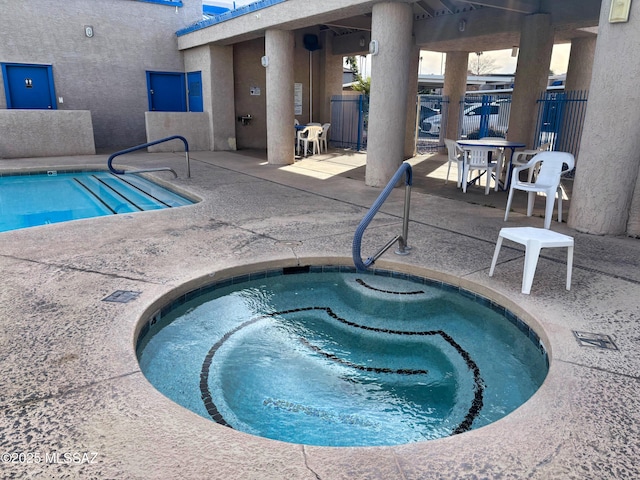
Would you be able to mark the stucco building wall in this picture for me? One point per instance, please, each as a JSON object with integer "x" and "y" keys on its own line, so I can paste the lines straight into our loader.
{"x": 104, "y": 74}
{"x": 249, "y": 76}
{"x": 45, "y": 133}
{"x": 193, "y": 126}
{"x": 606, "y": 198}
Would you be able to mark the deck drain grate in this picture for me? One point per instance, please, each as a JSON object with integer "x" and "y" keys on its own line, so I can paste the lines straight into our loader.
{"x": 122, "y": 296}
{"x": 598, "y": 340}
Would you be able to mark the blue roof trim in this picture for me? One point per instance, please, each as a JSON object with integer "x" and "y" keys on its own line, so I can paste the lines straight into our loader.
{"x": 171, "y": 3}
{"x": 213, "y": 10}
{"x": 223, "y": 17}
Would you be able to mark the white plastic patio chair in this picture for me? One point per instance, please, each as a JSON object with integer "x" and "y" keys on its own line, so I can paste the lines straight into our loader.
{"x": 324, "y": 137}
{"x": 547, "y": 182}
{"x": 455, "y": 155}
{"x": 497, "y": 155}
{"x": 523, "y": 156}
{"x": 534, "y": 239}
{"x": 309, "y": 135}
{"x": 477, "y": 158}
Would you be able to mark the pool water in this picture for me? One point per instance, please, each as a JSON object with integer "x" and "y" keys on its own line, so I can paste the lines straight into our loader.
{"x": 342, "y": 359}
{"x": 40, "y": 199}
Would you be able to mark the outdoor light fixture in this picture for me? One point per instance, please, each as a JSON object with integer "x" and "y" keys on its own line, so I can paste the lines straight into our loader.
{"x": 88, "y": 31}
{"x": 264, "y": 61}
{"x": 362, "y": 41}
{"x": 619, "y": 11}
{"x": 373, "y": 47}
{"x": 462, "y": 25}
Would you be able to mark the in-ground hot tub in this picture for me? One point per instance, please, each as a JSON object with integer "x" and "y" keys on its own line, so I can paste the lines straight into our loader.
{"x": 329, "y": 356}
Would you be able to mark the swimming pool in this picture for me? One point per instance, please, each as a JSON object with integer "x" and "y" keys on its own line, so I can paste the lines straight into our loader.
{"x": 28, "y": 200}
{"x": 333, "y": 357}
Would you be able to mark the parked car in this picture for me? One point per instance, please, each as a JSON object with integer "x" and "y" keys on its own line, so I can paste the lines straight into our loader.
{"x": 471, "y": 118}
{"x": 427, "y": 112}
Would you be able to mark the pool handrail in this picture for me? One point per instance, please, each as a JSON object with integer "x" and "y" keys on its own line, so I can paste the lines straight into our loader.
{"x": 404, "y": 169}
{"x": 149, "y": 144}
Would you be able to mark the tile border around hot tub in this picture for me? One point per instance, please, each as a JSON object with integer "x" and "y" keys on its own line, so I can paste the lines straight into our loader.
{"x": 514, "y": 319}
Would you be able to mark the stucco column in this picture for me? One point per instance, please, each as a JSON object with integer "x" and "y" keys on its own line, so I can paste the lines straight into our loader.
{"x": 579, "y": 73}
{"x": 532, "y": 75}
{"x": 278, "y": 47}
{"x": 221, "y": 106}
{"x": 331, "y": 67}
{"x": 580, "y": 63}
{"x": 606, "y": 191}
{"x": 412, "y": 100}
{"x": 216, "y": 66}
{"x": 391, "y": 28}
{"x": 455, "y": 86}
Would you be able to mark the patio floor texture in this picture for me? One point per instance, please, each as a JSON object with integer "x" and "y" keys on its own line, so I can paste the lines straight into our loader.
{"x": 71, "y": 383}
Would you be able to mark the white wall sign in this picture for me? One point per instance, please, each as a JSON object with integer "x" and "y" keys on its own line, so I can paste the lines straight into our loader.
{"x": 619, "y": 11}
{"x": 297, "y": 98}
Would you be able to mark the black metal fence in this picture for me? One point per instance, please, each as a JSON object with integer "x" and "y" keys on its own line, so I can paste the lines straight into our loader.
{"x": 560, "y": 119}
{"x": 432, "y": 116}
{"x": 349, "y": 118}
{"x": 484, "y": 115}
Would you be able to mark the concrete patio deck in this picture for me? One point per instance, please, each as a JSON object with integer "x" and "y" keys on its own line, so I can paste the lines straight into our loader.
{"x": 71, "y": 383}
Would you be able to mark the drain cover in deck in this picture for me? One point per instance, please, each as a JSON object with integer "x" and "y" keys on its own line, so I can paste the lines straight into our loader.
{"x": 599, "y": 340}
{"x": 122, "y": 296}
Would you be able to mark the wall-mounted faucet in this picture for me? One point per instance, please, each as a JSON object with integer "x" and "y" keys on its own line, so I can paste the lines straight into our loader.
{"x": 245, "y": 119}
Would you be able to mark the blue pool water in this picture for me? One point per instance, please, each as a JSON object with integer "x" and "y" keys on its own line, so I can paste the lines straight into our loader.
{"x": 40, "y": 199}
{"x": 342, "y": 359}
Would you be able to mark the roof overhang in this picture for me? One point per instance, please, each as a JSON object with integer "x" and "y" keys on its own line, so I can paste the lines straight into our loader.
{"x": 439, "y": 25}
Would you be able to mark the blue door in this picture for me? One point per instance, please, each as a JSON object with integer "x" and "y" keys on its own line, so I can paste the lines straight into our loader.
{"x": 29, "y": 86}
{"x": 194, "y": 90}
{"x": 166, "y": 92}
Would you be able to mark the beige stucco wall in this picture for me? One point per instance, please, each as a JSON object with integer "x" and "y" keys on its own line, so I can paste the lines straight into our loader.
{"x": 215, "y": 62}
{"x": 279, "y": 49}
{"x": 250, "y": 74}
{"x": 306, "y": 67}
{"x": 319, "y": 72}
{"x": 193, "y": 126}
{"x": 412, "y": 104}
{"x": 104, "y": 74}
{"x": 455, "y": 82}
{"x": 580, "y": 66}
{"x": 532, "y": 75}
{"x": 331, "y": 67}
{"x": 45, "y": 133}
{"x": 606, "y": 197}
{"x": 391, "y": 28}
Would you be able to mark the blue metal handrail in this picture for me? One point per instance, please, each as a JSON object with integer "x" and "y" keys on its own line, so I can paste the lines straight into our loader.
{"x": 145, "y": 145}
{"x": 405, "y": 168}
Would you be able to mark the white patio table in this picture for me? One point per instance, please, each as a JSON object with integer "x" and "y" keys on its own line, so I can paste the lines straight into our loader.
{"x": 495, "y": 143}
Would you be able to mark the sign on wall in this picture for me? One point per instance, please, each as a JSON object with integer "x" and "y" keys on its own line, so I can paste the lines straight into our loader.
{"x": 297, "y": 98}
